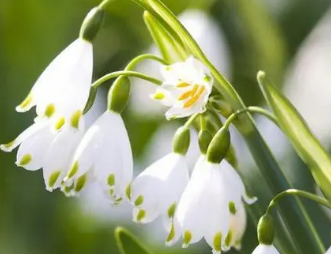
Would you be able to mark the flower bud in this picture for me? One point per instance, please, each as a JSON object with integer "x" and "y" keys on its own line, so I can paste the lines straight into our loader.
{"x": 119, "y": 94}
{"x": 266, "y": 230}
{"x": 205, "y": 137}
{"x": 91, "y": 24}
{"x": 181, "y": 141}
{"x": 219, "y": 146}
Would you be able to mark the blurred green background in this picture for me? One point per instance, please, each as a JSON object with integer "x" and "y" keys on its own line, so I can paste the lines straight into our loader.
{"x": 258, "y": 34}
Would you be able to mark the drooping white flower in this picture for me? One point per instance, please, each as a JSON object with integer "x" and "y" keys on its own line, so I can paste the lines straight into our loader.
{"x": 265, "y": 249}
{"x": 211, "y": 207}
{"x": 185, "y": 89}
{"x": 157, "y": 190}
{"x": 104, "y": 155}
{"x": 63, "y": 88}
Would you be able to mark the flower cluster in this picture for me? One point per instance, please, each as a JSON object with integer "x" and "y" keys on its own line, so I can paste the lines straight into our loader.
{"x": 208, "y": 204}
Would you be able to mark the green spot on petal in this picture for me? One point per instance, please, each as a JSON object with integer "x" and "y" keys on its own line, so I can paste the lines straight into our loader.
{"x": 10, "y": 144}
{"x": 27, "y": 101}
{"x": 139, "y": 200}
{"x": 232, "y": 208}
{"x": 111, "y": 180}
{"x": 228, "y": 238}
{"x": 217, "y": 242}
{"x": 73, "y": 170}
{"x": 128, "y": 191}
{"x": 187, "y": 237}
{"x": 172, "y": 210}
{"x": 25, "y": 160}
{"x": 207, "y": 78}
{"x": 50, "y": 110}
{"x": 53, "y": 178}
{"x": 75, "y": 119}
{"x": 81, "y": 181}
{"x": 158, "y": 96}
{"x": 141, "y": 215}
{"x": 60, "y": 123}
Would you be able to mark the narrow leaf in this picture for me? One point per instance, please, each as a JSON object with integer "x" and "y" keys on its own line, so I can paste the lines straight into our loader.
{"x": 128, "y": 243}
{"x": 303, "y": 140}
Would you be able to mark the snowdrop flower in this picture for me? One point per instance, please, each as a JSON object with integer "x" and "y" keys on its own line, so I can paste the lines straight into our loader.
{"x": 63, "y": 88}
{"x": 104, "y": 154}
{"x": 265, "y": 249}
{"x": 185, "y": 89}
{"x": 156, "y": 191}
{"x": 211, "y": 205}
{"x": 221, "y": 223}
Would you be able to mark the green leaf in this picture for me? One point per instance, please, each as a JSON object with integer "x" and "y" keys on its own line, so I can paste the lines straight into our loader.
{"x": 128, "y": 243}
{"x": 303, "y": 140}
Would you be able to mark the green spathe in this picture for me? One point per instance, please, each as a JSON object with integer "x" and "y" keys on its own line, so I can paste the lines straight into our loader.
{"x": 91, "y": 24}
{"x": 266, "y": 230}
{"x": 219, "y": 146}
{"x": 181, "y": 141}
{"x": 119, "y": 94}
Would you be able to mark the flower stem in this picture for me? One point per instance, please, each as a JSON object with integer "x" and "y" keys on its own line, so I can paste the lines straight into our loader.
{"x": 128, "y": 74}
{"x": 104, "y": 3}
{"x": 191, "y": 120}
{"x": 294, "y": 192}
{"x": 251, "y": 109}
{"x": 140, "y": 58}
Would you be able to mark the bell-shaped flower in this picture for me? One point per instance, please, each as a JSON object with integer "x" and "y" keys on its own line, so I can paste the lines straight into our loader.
{"x": 104, "y": 155}
{"x": 185, "y": 89}
{"x": 157, "y": 190}
{"x": 63, "y": 88}
{"x": 265, "y": 249}
{"x": 211, "y": 207}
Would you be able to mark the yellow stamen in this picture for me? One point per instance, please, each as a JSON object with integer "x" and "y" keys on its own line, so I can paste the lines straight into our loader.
{"x": 194, "y": 90}
{"x": 185, "y": 95}
{"x": 197, "y": 95}
{"x": 180, "y": 85}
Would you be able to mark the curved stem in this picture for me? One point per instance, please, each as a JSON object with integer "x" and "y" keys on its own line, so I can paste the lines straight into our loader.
{"x": 294, "y": 192}
{"x": 125, "y": 73}
{"x": 191, "y": 120}
{"x": 252, "y": 109}
{"x": 140, "y": 58}
{"x": 104, "y": 3}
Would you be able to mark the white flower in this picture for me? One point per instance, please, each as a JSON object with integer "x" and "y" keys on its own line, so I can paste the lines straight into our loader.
{"x": 63, "y": 88}
{"x": 328, "y": 251}
{"x": 43, "y": 146}
{"x": 157, "y": 190}
{"x": 185, "y": 89}
{"x": 211, "y": 207}
{"x": 104, "y": 155}
{"x": 265, "y": 249}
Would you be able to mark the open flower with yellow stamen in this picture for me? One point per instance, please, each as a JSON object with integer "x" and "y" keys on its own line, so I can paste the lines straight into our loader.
{"x": 185, "y": 89}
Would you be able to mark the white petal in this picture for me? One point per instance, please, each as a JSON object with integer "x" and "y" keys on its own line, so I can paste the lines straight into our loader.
{"x": 328, "y": 251}
{"x": 66, "y": 82}
{"x": 30, "y": 131}
{"x": 161, "y": 185}
{"x": 59, "y": 156}
{"x": 237, "y": 227}
{"x": 265, "y": 249}
{"x": 32, "y": 151}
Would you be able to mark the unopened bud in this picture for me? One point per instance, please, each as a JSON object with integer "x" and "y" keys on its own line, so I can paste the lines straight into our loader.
{"x": 219, "y": 146}
{"x": 181, "y": 141}
{"x": 119, "y": 94}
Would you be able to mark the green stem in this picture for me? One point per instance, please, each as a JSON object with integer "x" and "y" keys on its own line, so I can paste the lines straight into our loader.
{"x": 140, "y": 58}
{"x": 128, "y": 74}
{"x": 294, "y": 192}
{"x": 251, "y": 109}
{"x": 104, "y": 3}
{"x": 191, "y": 120}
